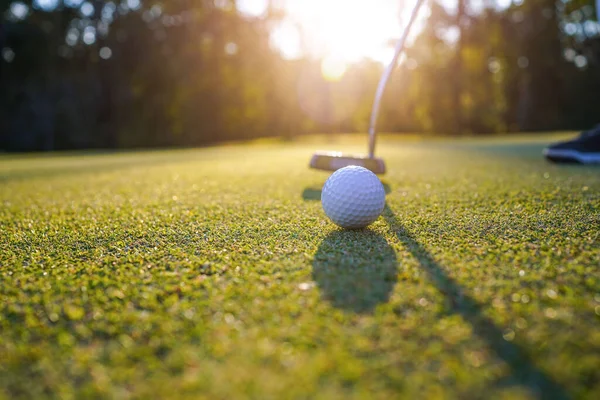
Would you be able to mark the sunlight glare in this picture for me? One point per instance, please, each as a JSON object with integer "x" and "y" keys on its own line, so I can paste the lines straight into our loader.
{"x": 286, "y": 37}
{"x": 352, "y": 30}
{"x": 252, "y": 8}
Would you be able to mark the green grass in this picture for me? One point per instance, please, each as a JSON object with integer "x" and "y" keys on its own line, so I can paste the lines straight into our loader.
{"x": 213, "y": 273}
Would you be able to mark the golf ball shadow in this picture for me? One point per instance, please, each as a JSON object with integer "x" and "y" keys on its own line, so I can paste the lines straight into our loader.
{"x": 355, "y": 270}
{"x": 314, "y": 194}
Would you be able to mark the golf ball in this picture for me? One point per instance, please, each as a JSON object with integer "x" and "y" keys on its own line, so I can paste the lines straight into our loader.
{"x": 353, "y": 197}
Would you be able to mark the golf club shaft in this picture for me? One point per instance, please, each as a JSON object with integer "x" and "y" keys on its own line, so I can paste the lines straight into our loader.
{"x": 386, "y": 76}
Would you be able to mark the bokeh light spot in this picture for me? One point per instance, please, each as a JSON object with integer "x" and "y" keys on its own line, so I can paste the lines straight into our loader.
{"x": 8, "y": 54}
{"x": 105, "y": 53}
{"x": 46, "y": 5}
{"x": 333, "y": 68}
{"x": 87, "y": 9}
{"x": 89, "y": 35}
{"x": 19, "y": 10}
{"x": 231, "y": 48}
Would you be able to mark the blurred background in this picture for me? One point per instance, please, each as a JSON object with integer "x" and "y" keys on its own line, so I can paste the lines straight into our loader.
{"x": 80, "y": 74}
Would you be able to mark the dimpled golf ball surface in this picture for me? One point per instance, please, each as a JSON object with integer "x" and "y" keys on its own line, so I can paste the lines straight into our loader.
{"x": 353, "y": 197}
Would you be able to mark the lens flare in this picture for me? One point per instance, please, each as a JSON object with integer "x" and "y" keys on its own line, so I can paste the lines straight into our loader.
{"x": 333, "y": 68}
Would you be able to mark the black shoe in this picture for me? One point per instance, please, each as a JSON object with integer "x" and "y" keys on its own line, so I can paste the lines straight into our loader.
{"x": 583, "y": 150}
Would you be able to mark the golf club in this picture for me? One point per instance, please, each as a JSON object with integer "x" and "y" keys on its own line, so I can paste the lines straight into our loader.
{"x": 332, "y": 161}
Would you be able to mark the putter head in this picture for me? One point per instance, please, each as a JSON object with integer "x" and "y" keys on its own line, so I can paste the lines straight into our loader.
{"x": 332, "y": 161}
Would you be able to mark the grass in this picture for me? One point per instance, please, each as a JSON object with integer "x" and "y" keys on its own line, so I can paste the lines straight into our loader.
{"x": 213, "y": 273}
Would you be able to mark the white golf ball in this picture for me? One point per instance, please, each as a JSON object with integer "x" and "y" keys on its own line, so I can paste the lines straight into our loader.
{"x": 353, "y": 197}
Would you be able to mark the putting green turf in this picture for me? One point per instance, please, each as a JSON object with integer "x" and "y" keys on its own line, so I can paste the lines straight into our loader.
{"x": 213, "y": 273}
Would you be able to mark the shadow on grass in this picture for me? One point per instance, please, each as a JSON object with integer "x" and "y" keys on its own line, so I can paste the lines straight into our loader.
{"x": 312, "y": 193}
{"x": 523, "y": 370}
{"x": 355, "y": 270}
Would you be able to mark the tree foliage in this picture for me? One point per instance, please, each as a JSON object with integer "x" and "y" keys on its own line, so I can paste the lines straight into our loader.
{"x": 81, "y": 74}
